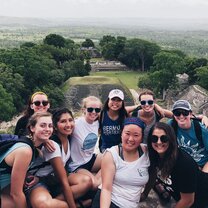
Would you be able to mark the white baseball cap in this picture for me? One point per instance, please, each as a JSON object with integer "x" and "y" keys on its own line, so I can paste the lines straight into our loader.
{"x": 116, "y": 93}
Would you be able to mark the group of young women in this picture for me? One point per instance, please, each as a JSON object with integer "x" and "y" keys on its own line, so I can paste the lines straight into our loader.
{"x": 135, "y": 148}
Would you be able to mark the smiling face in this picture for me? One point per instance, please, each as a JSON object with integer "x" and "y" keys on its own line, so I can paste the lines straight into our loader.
{"x": 65, "y": 125}
{"x": 40, "y": 103}
{"x": 42, "y": 130}
{"x": 91, "y": 110}
{"x": 183, "y": 118}
{"x": 131, "y": 137}
{"x": 159, "y": 146}
{"x": 147, "y": 99}
{"x": 115, "y": 104}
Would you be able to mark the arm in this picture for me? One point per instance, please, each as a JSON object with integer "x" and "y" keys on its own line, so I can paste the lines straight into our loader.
{"x": 203, "y": 119}
{"x": 163, "y": 112}
{"x": 149, "y": 185}
{"x": 108, "y": 171}
{"x": 187, "y": 199}
{"x": 49, "y": 145}
{"x": 129, "y": 109}
{"x": 22, "y": 158}
{"x": 60, "y": 172}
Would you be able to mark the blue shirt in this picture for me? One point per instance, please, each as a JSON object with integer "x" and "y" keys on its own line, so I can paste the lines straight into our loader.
{"x": 187, "y": 140}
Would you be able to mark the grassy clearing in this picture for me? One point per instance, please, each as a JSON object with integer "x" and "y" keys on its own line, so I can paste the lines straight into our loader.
{"x": 129, "y": 78}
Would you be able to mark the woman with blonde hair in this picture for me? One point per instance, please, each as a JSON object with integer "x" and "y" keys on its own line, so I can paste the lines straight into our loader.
{"x": 83, "y": 141}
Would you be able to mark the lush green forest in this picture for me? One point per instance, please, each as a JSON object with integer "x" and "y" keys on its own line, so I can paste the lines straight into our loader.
{"x": 191, "y": 40}
{"x": 42, "y": 58}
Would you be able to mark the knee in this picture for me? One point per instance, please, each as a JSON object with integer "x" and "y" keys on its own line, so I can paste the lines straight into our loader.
{"x": 87, "y": 181}
{"x": 42, "y": 204}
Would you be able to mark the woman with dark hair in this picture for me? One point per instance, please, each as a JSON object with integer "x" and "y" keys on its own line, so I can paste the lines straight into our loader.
{"x": 38, "y": 102}
{"x": 124, "y": 169}
{"x": 176, "y": 169}
{"x": 111, "y": 119}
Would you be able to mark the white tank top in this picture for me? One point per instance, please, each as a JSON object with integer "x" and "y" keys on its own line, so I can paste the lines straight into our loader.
{"x": 129, "y": 180}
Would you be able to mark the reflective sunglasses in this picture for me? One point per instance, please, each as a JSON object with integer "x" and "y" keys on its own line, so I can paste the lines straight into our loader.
{"x": 90, "y": 110}
{"x": 181, "y": 111}
{"x": 38, "y": 103}
{"x": 146, "y": 102}
{"x": 163, "y": 139}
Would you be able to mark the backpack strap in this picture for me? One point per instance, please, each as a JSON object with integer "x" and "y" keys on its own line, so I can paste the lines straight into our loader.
{"x": 197, "y": 129}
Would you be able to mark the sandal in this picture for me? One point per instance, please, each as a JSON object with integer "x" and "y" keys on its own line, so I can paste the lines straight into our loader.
{"x": 163, "y": 194}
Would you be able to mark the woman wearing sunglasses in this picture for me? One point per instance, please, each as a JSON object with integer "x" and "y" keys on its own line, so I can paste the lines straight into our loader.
{"x": 124, "y": 169}
{"x": 38, "y": 102}
{"x": 83, "y": 141}
{"x": 149, "y": 111}
{"x": 176, "y": 169}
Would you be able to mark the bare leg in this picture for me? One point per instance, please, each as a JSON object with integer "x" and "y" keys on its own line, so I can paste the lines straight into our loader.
{"x": 95, "y": 181}
{"x": 40, "y": 197}
{"x": 6, "y": 201}
{"x": 205, "y": 168}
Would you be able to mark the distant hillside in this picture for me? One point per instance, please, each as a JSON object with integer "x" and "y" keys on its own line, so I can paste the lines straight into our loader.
{"x": 139, "y": 23}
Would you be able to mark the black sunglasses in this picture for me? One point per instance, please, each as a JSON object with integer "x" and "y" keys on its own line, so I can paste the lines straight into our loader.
{"x": 163, "y": 139}
{"x": 145, "y": 102}
{"x": 38, "y": 103}
{"x": 181, "y": 111}
{"x": 90, "y": 110}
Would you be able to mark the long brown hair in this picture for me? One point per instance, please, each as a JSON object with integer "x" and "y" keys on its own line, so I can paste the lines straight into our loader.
{"x": 166, "y": 163}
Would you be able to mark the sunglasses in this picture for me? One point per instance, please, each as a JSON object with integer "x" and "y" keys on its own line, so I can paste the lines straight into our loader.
{"x": 163, "y": 139}
{"x": 38, "y": 103}
{"x": 146, "y": 102}
{"x": 90, "y": 110}
{"x": 181, "y": 111}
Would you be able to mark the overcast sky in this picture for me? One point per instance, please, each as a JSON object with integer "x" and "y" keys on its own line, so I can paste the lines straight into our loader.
{"x": 105, "y": 8}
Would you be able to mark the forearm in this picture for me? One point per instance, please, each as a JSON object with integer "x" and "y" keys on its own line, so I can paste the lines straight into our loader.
{"x": 105, "y": 198}
{"x": 19, "y": 200}
{"x": 69, "y": 197}
{"x": 182, "y": 204}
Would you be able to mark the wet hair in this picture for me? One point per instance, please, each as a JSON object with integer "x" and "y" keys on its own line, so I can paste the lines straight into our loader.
{"x": 90, "y": 98}
{"x": 28, "y": 112}
{"x": 146, "y": 92}
{"x": 166, "y": 163}
{"x": 57, "y": 113}
{"x": 34, "y": 119}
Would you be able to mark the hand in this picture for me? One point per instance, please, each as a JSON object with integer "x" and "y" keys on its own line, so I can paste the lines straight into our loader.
{"x": 31, "y": 181}
{"x": 49, "y": 145}
{"x": 205, "y": 121}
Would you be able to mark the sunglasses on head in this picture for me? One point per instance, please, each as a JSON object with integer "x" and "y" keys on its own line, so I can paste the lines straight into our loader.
{"x": 181, "y": 111}
{"x": 90, "y": 110}
{"x": 163, "y": 138}
{"x": 38, "y": 103}
{"x": 146, "y": 102}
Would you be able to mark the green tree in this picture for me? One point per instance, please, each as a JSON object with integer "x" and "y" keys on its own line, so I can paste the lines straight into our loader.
{"x": 202, "y": 76}
{"x": 138, "y": 53}
{"x": 6, "y": 105}
{"x": 55, "y": 40}
{"x": 163, "y": 72}
{"x": 88, "y": 43}
{"x": 191, "y": 64}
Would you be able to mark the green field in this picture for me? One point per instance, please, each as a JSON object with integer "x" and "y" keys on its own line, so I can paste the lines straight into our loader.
{"x": 129, "y": 78}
